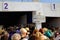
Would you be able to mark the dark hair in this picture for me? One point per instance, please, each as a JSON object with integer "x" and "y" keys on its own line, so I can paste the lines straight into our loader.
{"x": 32, "y": 38}
{"x": 41, "y": 30}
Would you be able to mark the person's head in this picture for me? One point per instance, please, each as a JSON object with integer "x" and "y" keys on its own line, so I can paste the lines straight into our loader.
{"x": 40, "y": 36}
{"x": 23, "y": 32}
{"x": 1, "y": 31}
{"x": 34, "y": 32}
{"x": 11, "y": 28}
{"x": 6, "y": 35}
{"x": 44, "y": 30}
{"x": 16, "y": 36}
{"x": 56, "y": 28}
{"x": 35, "y": 36}
{"x": 41, "y": 30}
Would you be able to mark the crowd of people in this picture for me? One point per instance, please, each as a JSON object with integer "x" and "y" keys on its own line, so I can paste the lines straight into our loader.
{"x": 29, "y": 32}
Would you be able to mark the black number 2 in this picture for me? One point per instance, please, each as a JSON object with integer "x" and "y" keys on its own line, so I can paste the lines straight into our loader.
{"x": 5, "y": 5}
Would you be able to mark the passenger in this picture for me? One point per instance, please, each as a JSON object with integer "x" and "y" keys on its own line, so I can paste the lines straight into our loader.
{"x": 11, "y": 31}
{"x": 24, "y": 34}
{"x": 17, "y": 30}
{"x": 47, "y": 32}
{"x": 42, "y": 36}
{"x": 31, "y": 27}
{"x": 58, "y": 37}
{"x": 38, "y": 36}
{"x": 5, "y": 36}
{"x": 16, "y": 36}
{"x": 34, "y": 32}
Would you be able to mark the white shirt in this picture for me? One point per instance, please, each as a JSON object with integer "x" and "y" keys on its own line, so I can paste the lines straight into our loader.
{"x": 57, "y": 38}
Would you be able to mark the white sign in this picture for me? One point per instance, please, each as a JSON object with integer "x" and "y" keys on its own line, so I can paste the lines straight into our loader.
{"x": 39, "y": 18}
{"x": 36, "y": 19}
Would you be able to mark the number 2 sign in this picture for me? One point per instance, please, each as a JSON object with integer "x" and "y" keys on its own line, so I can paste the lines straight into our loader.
{"x": 5, "y": 5}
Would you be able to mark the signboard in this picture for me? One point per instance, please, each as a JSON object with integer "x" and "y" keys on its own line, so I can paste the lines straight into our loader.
{"x": 39, "y": 19}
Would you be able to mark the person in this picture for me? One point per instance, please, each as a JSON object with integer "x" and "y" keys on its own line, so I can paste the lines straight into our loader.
{"x": 5, "y": 36}
{"x": 16, "y": 36}
{"x": 35, "y": 35}
{"x": 58, "y": 37}
{"x": 32, "y": 27}
{"x": 35, "y": 31}
{"x": 38, "y": 36}
{"x": 1, "y": 32}
{"x": 11, "y": 31}
{"x": 32, "y": 38}
{"x": 47, "y": 32}
{"x": 17, "y": 30}
{"x": 24, "y": 34}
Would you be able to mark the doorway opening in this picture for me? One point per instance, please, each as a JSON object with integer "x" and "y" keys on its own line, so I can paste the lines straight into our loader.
{"x": 15, "y": 18}
{"x": 51, "y": 22}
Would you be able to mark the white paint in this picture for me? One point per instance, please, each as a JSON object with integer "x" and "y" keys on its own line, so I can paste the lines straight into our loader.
{"x": 38, "y": 25}
{"x": 43, "y": 8}
{"x": 22, "y": 6}
{"x": 47, "y": 11}
{"x": 0, "y": 6}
